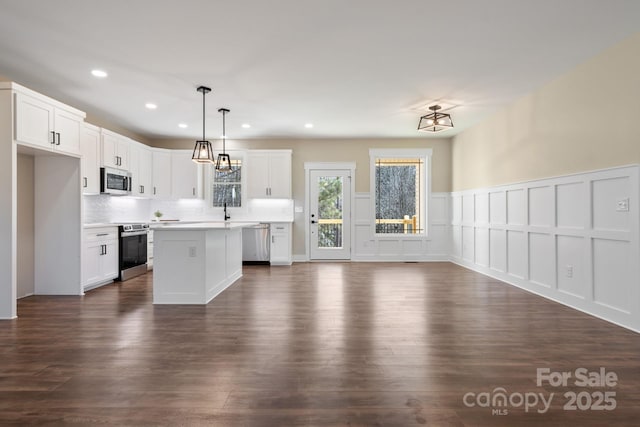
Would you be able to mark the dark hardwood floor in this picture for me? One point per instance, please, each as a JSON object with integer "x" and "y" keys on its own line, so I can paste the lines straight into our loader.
{"x": 317, "y": 344}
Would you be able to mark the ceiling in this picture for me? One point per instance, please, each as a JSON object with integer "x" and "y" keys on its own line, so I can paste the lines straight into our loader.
{"x": 355, "y": 68}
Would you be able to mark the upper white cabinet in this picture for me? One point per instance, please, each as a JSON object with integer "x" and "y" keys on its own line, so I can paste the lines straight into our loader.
{"x": 269, "y": 174}
{"x": 140, "y": 165}
{"x": 186, "y": 176}
{"x": 161, "y": 172}
{"x": 48, "y": 124}
{"x": 90, "y": 160}
{"x": 115, "y": 150}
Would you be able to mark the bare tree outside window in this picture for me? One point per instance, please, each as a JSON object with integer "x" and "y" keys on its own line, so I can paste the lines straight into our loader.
{"x": 399, "y": 208}
{"x": 227, "y": 186}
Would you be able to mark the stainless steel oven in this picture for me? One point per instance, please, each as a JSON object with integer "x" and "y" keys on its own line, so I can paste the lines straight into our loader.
{"x": 133, "y": 250}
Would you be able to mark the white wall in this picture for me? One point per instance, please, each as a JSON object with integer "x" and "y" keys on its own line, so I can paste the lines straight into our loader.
{"x": 25, "y": 242}
{"x": 433, "y": 247}
{"x": 564, "y": 238}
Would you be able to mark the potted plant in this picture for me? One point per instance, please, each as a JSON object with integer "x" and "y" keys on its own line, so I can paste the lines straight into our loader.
{"x": 158, "y": 215}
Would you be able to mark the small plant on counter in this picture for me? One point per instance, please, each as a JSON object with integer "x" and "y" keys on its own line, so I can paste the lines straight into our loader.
{"x": 158, "y": 215}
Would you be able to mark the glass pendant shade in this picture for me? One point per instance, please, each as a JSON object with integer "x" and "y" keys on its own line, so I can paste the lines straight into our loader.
{"x": 203, "y": 151}
{"x": 435, "y": 122}
{"x": 223, "y": 164}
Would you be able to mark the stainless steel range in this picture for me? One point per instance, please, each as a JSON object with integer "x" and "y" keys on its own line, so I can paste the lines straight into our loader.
{"x": 133, "y": 250}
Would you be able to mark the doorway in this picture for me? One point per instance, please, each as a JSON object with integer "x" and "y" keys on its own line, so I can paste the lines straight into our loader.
{"x": 329, "y": 193}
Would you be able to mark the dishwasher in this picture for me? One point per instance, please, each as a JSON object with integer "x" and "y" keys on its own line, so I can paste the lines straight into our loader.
{"x": 256, "y": 244}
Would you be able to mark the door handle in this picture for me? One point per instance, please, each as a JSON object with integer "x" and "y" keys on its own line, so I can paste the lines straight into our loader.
{"x": 313, "y": 222}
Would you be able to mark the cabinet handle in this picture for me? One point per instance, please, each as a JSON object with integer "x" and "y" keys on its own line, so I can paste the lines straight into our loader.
{"x": 154, "y": 191}
{"x": 102, "y": 234}
{"x": 58, "y": 135}
{"x": 85, "y": 185}
{"x": 194, "y": 191}
{"x": 273, "y": 239}
{"x": 143, "y": 189}
{"x": 53, "y": 137}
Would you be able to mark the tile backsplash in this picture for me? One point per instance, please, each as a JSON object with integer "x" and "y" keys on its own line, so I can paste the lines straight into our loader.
{"x": 108, "y": 209}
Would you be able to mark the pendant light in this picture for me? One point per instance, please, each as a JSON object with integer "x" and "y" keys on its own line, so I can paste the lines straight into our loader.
{"x": 224, "y": 161}
{"x": 203, "y": 152}
{"x": 435, "y": 121}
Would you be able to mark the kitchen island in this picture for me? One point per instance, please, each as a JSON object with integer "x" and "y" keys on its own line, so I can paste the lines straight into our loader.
{"x": 193, "y": 263}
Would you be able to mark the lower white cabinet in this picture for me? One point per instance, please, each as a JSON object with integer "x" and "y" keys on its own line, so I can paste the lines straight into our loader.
{"x": 100, "y": 256}
{"x": 150, "y": 250}
{"x": 280, "y": 243}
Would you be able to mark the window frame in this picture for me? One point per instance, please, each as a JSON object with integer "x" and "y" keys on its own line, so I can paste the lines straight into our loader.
{"x": 219, "y": 211}
{"x": 401, "y": 153}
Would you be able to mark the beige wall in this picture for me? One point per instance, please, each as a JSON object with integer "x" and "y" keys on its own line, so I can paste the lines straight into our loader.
{"x": 584, "y": 120}
{"x": 337, "y": 150}
{"x": 25, "y": 227}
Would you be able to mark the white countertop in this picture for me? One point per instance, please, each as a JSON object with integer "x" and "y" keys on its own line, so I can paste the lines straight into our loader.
{"x": 200, "y": 226}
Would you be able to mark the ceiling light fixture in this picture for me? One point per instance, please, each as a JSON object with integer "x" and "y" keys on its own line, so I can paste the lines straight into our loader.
{"x": 99, "y": 73}
{"x": 151, "y": 105}
{"x": 435, "y": 122}
{"x": 182, "y": 125}
{"x": 203, "y": 152}
{"x": 308, "y": 125}
{"x": 223, "y": 164}
{"x": 246, "y": 125}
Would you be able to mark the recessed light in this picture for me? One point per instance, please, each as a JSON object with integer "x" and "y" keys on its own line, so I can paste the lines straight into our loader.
{"x": 183, "y": 125}
{"x": 99, "y": 73}
{"x": 246, "y": 125}
{"x": 151, "y": 106}
{"x": 308, "y": 125}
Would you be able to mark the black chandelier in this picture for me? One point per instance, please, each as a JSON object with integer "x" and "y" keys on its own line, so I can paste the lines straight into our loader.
{"x": 435, "y": 121}
{"x": 203, "y": 152}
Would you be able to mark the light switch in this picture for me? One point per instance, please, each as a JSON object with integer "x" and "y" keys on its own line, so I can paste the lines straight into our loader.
{"x": 622, "y": 205}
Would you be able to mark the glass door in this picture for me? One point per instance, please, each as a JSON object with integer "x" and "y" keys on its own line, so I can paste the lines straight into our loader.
{"x": 330, "y": 214}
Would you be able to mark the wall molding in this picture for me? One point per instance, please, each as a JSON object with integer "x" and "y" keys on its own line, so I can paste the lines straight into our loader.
{"x": 569, "y": 239}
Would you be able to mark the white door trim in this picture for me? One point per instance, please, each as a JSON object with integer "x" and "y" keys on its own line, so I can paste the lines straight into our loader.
{"x": 308, "y": 166}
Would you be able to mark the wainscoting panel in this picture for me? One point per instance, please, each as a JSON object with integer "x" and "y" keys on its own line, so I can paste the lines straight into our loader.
{"x": 573, "y": 239}
{"x": 436, "y": 246}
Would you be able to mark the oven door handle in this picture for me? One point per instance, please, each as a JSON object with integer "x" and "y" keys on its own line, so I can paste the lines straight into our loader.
{"x": 134, "y": 233}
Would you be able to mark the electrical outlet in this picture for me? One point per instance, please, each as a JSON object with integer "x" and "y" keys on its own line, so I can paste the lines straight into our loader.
{"x": 299, "y": 209}
{"x": 622, "y": 205}
{"x": 192, "y": 251}
{"x": 569, "y": 270}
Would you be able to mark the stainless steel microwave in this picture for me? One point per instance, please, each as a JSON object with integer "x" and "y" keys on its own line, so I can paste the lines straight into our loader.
{"x": 114, "y": 181}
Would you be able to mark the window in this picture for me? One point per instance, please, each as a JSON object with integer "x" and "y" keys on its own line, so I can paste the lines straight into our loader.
{"x": 227, "y": 186}
{"x": 400, "y": 191}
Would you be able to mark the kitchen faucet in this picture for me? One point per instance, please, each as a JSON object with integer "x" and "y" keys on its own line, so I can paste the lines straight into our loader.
{"x": 226, "y": 215}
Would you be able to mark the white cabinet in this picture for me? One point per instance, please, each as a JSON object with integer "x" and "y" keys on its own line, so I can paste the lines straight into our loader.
{"x": 100, "y": 256}
{"x": 90, "y": 160}
{"x": 115, "y": 150}
{"x": 269, "y": 174}
{"x": 140, "y": 166}
{"x": 280, "y": 243}
{"x": 150, "y": 250}
{"x": 186, "y": 176}
{"x": 48, "y": 124}
{"x": 161, "y": 173}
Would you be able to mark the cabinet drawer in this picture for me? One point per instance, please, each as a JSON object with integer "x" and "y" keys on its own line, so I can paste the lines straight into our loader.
{"x": 104, "y": 233}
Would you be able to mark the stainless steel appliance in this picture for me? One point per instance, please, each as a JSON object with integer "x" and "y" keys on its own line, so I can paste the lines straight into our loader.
{"x": 114, "y": 181}
{"x": 133, "y": 250}
{"x": 256, "y": 244}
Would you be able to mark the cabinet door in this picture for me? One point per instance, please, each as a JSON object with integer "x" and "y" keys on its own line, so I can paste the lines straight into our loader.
{"x": 185, "y": 175}
{"x": 280, "y": 244}
{"x": 123, "y": 153}
{"x": 134, "y": 168}
{"x": 67, "y": 127}
{"x": 144, "y": 171}
{"x": 91, "y": 262}
{"x": 109, "y": 261}
{"x": 280, "y": 175}
{"x": 34, "y": 121}
{"x": 161, "y": 174}
{"x": 90, "y": 160}
{"x": 110, "y": 150}
{"x": 258, "y": 175}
